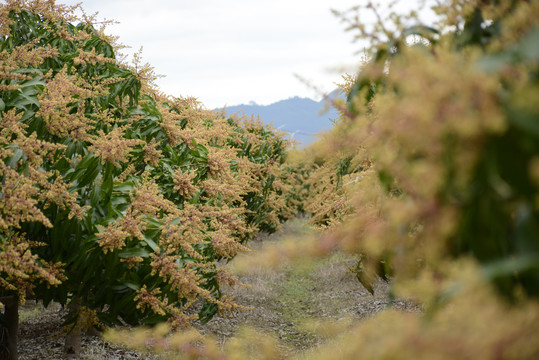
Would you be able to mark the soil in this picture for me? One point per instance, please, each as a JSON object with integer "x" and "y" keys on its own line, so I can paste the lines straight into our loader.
{"x": 283, "y": 302}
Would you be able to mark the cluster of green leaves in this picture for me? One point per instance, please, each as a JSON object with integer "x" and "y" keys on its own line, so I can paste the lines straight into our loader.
{"x": 500, "y": 219}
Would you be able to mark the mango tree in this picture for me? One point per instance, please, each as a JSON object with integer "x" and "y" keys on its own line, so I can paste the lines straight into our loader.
{"x": 116, "y": 200}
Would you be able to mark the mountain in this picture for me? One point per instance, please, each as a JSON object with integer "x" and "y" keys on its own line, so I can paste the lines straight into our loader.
{"x": 302, "y": 118}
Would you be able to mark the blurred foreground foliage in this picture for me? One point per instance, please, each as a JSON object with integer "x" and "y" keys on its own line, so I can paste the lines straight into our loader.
{"x": 437, "y": 149}
{"x": 431, "y": 176}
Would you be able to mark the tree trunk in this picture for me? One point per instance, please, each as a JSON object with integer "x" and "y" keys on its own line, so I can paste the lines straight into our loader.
{"x": 9, "y": 332}
{"x": 73, "y": 337}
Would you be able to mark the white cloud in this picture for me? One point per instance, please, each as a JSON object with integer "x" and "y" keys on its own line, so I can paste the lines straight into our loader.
{"x": 235, "y": 51}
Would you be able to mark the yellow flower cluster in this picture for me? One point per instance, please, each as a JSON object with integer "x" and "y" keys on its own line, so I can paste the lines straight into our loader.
{"x": 114, "y": 146}
{"x": 91, "y": 57}
{"x": 60, "y": 93}
{"x": 183, "y": 182}
{"x": 20, "y": 199}
{"x": 20, "y": 268}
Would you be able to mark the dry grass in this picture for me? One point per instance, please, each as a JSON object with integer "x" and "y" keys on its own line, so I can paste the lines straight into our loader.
{"x": 41, "y": 337}
{"x": 289, "y": 299}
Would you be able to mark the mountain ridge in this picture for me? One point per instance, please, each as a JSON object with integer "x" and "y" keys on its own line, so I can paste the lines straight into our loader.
{"x": 302, "y": 118}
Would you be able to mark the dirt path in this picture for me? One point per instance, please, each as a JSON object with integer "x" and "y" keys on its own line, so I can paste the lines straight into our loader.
{"x": 286, "y": 298}
{"x": 283, "y": 302}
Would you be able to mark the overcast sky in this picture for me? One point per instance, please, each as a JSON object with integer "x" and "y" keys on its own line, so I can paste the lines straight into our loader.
{"x": 235, "y": 51}
{"x": 230, "y": 52}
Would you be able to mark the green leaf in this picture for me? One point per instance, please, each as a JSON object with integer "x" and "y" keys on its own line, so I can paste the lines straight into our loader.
{"x": 38, "y": 80}
{"x": 125, "y": 187}
{"x": 528, "y": 122}
{"x": 528, "y": 48}
{"x": 152, "y": 244}
{"x": 425, "y": 31}
{"x": 107, "y": 183}
{"x": 154, "y": 319}
{"x": 124, "y": 253}
{"x": 95, "y": 195}
{"x": 510, "y": 266}
{"x": 91, "y": 173}
{"x": 14, "y": 159}
{"x": 126, "y": 286}
{"x": 207, "y": 312}
{"x": 25, "y": 100}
